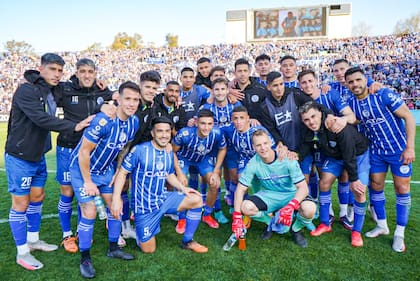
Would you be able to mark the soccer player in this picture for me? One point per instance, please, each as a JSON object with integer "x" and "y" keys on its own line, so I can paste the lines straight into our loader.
{"x": 222, "y": 110}
{"x": 203, "y": 147}
{"x": 79, "y": 98}
{"x": 28, "y": 139}
{"x": 217, "y": 72}
{"x": 203, "y": 76}
{"x": 283, "y": 190}
{"x": 92, "y": 169}
{"x": 151, "y": 165}
{"x": 308, "y": 83}
{"x": 348, "y": 149}
{"x": 262, "y": 67}
{"x": 381, "y": 117}
{"x": 288, "y": 68}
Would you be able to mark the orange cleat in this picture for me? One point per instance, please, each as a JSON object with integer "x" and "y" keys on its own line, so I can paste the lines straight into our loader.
{"x": 356, "y": 239}
{"x": 69, "y": 244}
{"x": 195, "y": 247}
{"x": 210, "y": 221}
{"x": 321, "y": 229}
{"x": 180, "y": 226}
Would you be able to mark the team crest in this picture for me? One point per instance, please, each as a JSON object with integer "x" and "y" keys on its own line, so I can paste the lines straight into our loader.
{"x": 185, "y": 133}
{"x": 255, "y": 98}
{"x": 123, "y": 137}
{"x": 243, "y": 144}
{"x": 223, "y": 119}
{"x": 100, "y": 100}
{"x": 404, "y": 169}
{"x": 102, "y": 122}
{"x": 201, "y": 148}
{"x": 365, "y": 113}
{"x": 175, "y": 119}
{"x": 145, "y": 118}
{"x": 159, "y": 165}
{"x": 333, "y": 143}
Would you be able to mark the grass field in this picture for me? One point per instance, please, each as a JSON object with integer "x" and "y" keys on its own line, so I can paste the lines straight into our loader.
{"x": 328, "y": 257}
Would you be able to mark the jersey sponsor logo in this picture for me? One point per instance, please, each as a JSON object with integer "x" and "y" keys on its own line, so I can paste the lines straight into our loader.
{"x": 118, "y": 146}
{"x": 255, "y": 98}
{"x": 375, "y": 121}
{"x": 283, "y": 117}
{"x": 102, "y": 122}
{"x": 157, "y": 174}
{"x": 404, "y": 169}
{"x": 188, "y": 107}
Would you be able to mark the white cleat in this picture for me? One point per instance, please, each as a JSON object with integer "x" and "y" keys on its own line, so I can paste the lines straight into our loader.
{"x": 28, "y": 262}
{"x": 41, "y": 245}
{"x": 377, "y": 231}
{"x": 128, "y": 232}
{"x": 398, "y": 244}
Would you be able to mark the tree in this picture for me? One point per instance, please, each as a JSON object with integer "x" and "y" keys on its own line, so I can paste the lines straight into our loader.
{"x": 123, "y": 41}
{"x": 172, "y": 40}
{"x": 361, "y": 29}
{"x": 94, "y": 47}
{"x": 410, "y": 25}
{"x": 18, "y": 47}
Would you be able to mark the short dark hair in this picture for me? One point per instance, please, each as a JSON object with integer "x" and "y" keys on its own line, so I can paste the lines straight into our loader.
{"x": 205, "y": 113}
{"x": 219, "y": 80}
{"x": 353, "y": 70}
{"x": 308, "y": 106}
{"x": 340, "y": 61}
{"x": 128, "y": 85}
{"x": 241, "y": 61}
{"x": 305, "y": 72}
{"x": 203, "y": 59}
{"x": 150, "y": 75}
{"x": 272, "y": 76}
{"x": 51, "y": 58}
{"x": 240, "y": 108}
{"x": 85, "y": 61}
{"x": 187, "y": 68}
{"x": 172, "y": 82}
{"x": 287, "y": 57}
{"x": 217, "y": 68}
{"x": 262, "y": 57}
{"x": 160, "y": 120}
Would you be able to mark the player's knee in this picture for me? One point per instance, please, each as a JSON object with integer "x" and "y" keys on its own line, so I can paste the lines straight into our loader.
{"x": 248, "y": 208}
{"x": 196, "y": 201}
{"x": 67, "y": 190}
{"x": 88, "y": 210}
{"x": 324, "y": 185}
{"x": 307, "y": 209}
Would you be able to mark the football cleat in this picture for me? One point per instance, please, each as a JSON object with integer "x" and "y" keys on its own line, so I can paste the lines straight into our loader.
{"x": 377, "y": 231}
{"x": 128, "y": 232}
{"x": 195, "y": 247}
{"x": 42, "y": 246}
{"x": 356, "y": 239}
{"x": 344, "y": 221}
{"x": 28, "y": 262}
{"x": 398, "y": 244}
{"x": 299, "y": 239}
{"x": 119, "y": 254}
{"x": 321, "y": 229}
{"x": 180, "y": 226}
{"x": 220, "y": 217}
{"x": 86, "y": 269}
{"x": 69, "y": 244}
{"x": 210, "y": 221}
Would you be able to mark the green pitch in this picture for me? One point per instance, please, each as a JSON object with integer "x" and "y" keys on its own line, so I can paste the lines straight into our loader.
{"x": 328, "y": 257}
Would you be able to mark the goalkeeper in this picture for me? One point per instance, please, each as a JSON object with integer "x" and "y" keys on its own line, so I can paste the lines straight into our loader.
{"x": 283, "y": 191}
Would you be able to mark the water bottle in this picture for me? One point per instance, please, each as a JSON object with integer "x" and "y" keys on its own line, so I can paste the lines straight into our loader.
{"x": 230, "y": 242}
{"x": 242, "y": 240}
{"x": 100, "y": 208}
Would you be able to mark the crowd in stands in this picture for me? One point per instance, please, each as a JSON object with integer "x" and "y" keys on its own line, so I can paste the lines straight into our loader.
{"x": 391, "y": 60}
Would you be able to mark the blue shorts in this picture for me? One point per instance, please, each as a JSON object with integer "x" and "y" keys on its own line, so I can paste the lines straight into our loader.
{"x": 380, "y": 164}
{"x": 204, "y": 167}
{"x": 336, "y": 167}
{"x": 63, "y": 164}
{"x": 306, "y": 164}
{"x": 102, "y": 181}
{"x": 148, "y": 225}
{"x": 319, "y": 158}
{"x": 22, "y": 174}
{"x": 242, "y": 164}
{"x": 231, "y": 159}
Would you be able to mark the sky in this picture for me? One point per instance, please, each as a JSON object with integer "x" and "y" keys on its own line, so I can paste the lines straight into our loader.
{"x": 74, "y": 25}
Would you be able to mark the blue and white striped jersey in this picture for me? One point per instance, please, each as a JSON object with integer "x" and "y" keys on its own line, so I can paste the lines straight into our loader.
{"x": 385, "y": 130}
{"x": 333, "y": 101}
{"x": 292, "y": 84}
{"x": 149, "y": 168}
{"x": 222, "y": 115}
{"x": 193, "y": 148}
{"x": 110, "y": 136}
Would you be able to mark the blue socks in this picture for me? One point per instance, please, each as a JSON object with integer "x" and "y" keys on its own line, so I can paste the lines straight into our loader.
{"x": 359, "y": 216}
{"x": 313, "y": 185}
{"x": 377, "y": 198}
{"x": 64, "y": 212}
{"x": 207, "y": 210}
{"x": 17, "y": 222}
{"x": 33, "y": 214}
{"x": 193, "y": 220}
{"x": 403, "y": 205}
{"x": 126, "y": 206}
{"x": 324, "y": 206}
{"x": 114, "y": 227}
{"x": 85, "y": 233}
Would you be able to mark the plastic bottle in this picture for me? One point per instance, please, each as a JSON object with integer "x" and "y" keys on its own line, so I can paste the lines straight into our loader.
{"x": 100, "y": 208}
{"x": 242, "y": 241}
{"x": 230, "y": 242}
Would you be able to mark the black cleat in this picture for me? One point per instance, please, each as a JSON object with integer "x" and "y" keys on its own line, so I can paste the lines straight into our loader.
{"x": 86, "y": 269}
{"x": 266, "y": 234}
{"x": 299, "y": 239}
{"x": 119, "y": 254}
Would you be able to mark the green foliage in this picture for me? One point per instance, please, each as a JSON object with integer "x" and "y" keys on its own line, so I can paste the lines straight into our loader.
{"x": 172, "y": 40}
{"x": 19, "y": 47}
{"x": 409, "y": 25}
{"x": 124, "y": 41}
{"x": 328, "y": 257}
